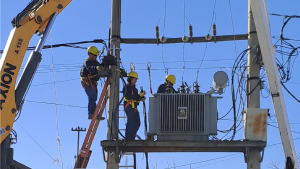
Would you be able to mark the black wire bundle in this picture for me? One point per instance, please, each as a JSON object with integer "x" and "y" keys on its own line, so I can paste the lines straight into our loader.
{"x": 286, "y": 49}
{"x": 239, "y": 68}
{"x": 72, "y": 45}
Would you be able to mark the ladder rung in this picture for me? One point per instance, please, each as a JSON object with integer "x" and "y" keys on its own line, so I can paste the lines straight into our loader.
{"x": 127, "y": 153}
{"x": 122, "y": 117}
{"x": 122, "y": 129}
{"x": 124, "y": 166}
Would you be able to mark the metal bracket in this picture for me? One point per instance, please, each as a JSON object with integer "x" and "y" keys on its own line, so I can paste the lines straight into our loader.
{"x": 262, "y": 155}
{"x": 114, "y": 48}
{"x": 104, "y": 159}
{"x": 118, "y": 155}
{"x": 246, "y": 157}
{"x": 275, "y": 95}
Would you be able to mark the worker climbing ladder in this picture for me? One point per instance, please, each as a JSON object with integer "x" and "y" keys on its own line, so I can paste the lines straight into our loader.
{"x": 85, "y": 152}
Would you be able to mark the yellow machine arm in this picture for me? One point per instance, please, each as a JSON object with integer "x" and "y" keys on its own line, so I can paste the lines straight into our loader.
{"x": 36, "y": 17}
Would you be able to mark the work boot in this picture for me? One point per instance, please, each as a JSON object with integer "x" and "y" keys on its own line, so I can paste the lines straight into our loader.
{"x": 100, "y": 118}
{"x": 90, "y": 116}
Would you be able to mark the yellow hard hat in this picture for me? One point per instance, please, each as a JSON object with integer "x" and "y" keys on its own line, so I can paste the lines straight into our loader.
{"x": 133, "y": 74}
{"x": 171, "y": 78}
{"x": 93, "y": 50}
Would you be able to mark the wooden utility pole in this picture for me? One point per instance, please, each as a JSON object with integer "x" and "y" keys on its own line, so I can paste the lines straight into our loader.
{"x": 113, "y": 109}
{"x": 253, "y": 97}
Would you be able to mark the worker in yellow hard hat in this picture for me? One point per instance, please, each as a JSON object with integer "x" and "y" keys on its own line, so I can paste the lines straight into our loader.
{"x": 131, "y": 101}
{"x": 89, "y": 78}
{"x": 167, "y": 87}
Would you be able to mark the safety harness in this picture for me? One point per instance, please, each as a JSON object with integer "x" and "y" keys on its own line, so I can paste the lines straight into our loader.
{"x": 89, "y": 82}
{"x": 130, "y": 102}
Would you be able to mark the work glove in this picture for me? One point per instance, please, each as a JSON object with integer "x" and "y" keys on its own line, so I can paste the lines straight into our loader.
{"x": 143, "y": 98}
{"x": 142, "y": 93}
{"x": 99, "y": 68}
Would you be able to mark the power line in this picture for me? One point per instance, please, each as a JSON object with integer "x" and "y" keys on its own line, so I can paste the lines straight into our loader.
{"x": 189, "y": 164}
{"x": 56, "y": 104}
{"x": 204, "y": 161}
{"x": 38, "y": 144}
{"x": 219, "y": 161}
{"x": 244, "y": 120}
{"x": 72, "y": 45}
{"x": 183, "y": 46}
{"x": 232, "y": 28}
{"x": 162, "y": 45}
{"x": 278, "y": 127}
{"x": 173, "y": 68}
{"x": 78, "y": 65}
{"x": 57, "y": 128}
{"x": 41, "y": 84}
{"x": 290, "y": 92}
{"x": 206, "y": 42}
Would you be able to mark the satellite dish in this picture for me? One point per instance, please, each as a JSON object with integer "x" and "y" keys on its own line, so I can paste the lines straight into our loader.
{"x": 220, "y": 80}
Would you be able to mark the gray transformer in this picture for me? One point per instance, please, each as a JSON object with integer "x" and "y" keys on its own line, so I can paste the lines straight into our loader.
{"x": 183, "y": 116}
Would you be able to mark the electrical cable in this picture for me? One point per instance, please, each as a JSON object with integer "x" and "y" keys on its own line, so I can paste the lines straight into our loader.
{"x": 162, "y": 47}
{"x": 42, "y": 84}
{"x": 145, "y": 131}
{"x": 289, "y": 92}
{"x": 55, "y": 101}
{"x": 232, "y": 28}
{"x": 37, "y": 143}
{"x": 183, "y": 46}
{"x": 235, "y": 65}
{"x": 222, "y": 157}
{"x": 278, "y": 128}
{"x": 206, "y": 42}
{"x": 72, "y": 45}
{"x": 225, "y": 114}
{"x": 56, "y": 104}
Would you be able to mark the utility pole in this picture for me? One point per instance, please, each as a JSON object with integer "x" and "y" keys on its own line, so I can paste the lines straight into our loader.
{"x": 78, "y": 129}
{"x": 113, "y": 108}
{"x": 253, "y": 89}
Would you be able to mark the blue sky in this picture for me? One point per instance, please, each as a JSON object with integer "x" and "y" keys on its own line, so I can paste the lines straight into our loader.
{"x": 89, "y": 20}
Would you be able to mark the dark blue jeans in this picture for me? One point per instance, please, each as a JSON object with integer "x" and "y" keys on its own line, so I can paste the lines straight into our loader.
{"x": 133, "y": 123}
{"x": 92, "y": 97}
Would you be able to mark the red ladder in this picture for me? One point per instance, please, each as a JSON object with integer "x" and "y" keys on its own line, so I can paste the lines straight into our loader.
{"x": 85, "y": 152}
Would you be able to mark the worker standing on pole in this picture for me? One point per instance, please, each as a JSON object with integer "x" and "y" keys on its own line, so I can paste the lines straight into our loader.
{"x": 89, "y": 78}
{"x": 131, "y": 101}
{"x": 167, "y": 87}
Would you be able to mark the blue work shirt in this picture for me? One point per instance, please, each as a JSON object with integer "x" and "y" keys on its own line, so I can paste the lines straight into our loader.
{"x": 131, "y": 94}
{"x": 163, "y": 89}
{"x": 89, "y": 67}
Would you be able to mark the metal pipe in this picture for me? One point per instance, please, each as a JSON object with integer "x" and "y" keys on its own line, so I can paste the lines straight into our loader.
{"x": 42, "y": 41}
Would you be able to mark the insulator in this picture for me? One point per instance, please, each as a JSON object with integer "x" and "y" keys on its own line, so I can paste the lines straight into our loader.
{"x": 191, "y": 31}
{"x": 182, "y": 88}
{"x": 196, "y": 87}
{"x": 156, "y": 32}
{"x": 214, "y": 29}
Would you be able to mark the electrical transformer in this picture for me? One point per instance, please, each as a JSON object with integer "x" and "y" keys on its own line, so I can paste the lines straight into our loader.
{"x": 183, "y": 116}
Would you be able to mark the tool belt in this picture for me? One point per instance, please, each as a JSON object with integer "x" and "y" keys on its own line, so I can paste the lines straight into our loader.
{"x": 130, "y": 102}
{"x": 87, "y": 81}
